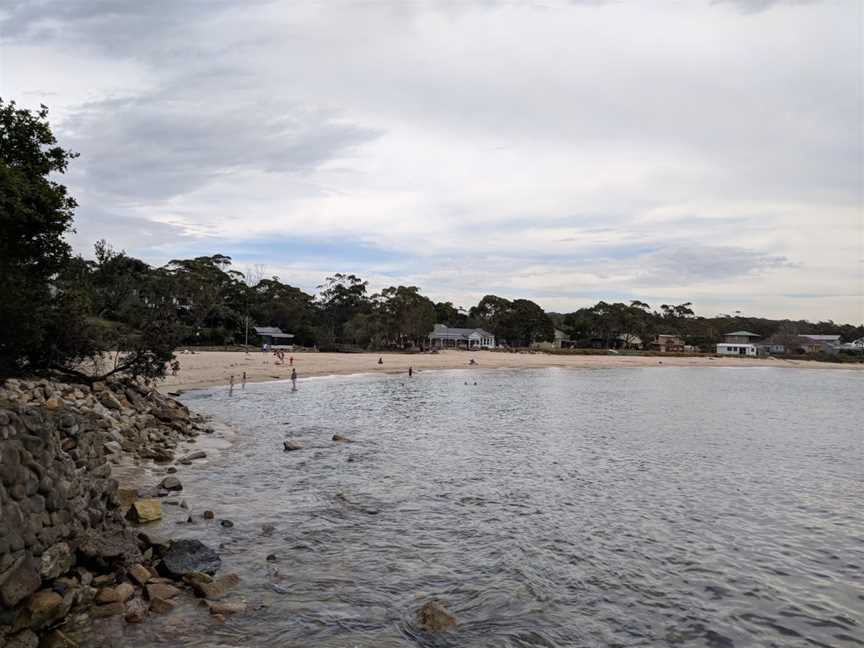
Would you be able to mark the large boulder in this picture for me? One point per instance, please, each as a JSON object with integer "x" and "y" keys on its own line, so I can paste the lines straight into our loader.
{"x": 187, "y": 556}
{"x": 19, "y": 581}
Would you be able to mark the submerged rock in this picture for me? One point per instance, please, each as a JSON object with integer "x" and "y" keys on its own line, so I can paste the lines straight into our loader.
{"x": 290, "y": 446}
{"x": 216, "y": 588}
{"x": 136, "y": 610}
{"x": 187, "y": 556}
{"x": 226, "y": 523}
{"x": 434, "y": 617}
{"x": 171, "y": 483}
{"x": 338, "y": 438}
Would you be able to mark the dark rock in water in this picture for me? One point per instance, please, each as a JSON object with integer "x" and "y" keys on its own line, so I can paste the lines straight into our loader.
{"x": 226, "y": 523}
{"x": 338, "y": 438}
{"x": 171, "y": 470}
{"x": 290, "y": 446}
{"x": 187, "y": 556}
{"x": 171, "y": 483}
{"x": 434, "y": 617}
{"x": 208, "y": 515}
{"x": 267, "y": 529}
{"x": 272, "y": 558}
{"x": 351, "y": 459}
{"x": 198, "y": 454}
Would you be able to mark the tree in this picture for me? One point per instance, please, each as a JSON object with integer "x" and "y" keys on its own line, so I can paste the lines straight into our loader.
{"x": 341, "y": 296}
{"x": 35, "y": 213}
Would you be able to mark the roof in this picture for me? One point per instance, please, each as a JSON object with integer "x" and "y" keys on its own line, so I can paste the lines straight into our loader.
{"x": 743, "y": 334}
{"x": 271, "y": 331}
{"x": 442, "y": 331}
{"x": 821, "y": 338}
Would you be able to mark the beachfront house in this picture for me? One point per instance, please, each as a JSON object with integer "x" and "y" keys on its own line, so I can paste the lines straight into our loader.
{"x": 814, "y": 343}
{"x": 741, "y": 337}
{"x": 740, "y": 343}
{"x": 667, "y": 343}
{"x": 628, "y": 341}
{"x": 273, "y": 337}
{"x": 737, "y": 348}
{"x": 445, "y": 337}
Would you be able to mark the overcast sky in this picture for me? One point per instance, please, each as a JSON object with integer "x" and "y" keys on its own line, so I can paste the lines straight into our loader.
{"x": 704, "y": 151}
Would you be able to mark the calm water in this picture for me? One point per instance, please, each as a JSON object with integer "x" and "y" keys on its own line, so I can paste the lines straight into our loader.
{"x": 627, "y": 507}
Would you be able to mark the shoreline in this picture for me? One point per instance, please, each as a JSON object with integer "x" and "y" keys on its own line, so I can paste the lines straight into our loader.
{"x": 205, "y": 369}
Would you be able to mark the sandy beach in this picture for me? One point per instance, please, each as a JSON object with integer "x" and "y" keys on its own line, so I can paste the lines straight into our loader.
{"x": 209, "y": 368}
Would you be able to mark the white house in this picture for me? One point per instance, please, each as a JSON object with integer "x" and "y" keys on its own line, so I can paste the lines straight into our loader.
{"x": 444, "y": 337}
{"x": 736, "y": 348}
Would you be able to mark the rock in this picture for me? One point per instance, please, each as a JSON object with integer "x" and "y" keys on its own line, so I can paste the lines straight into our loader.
{"x": 19, "y": 581}
{"x": 46, "y": 607}
{"x": 217, "y": 588}
{"x": 171, "y": 470}
{"x": 434, "y": 617}
{"x": 226, "y": 608}
{"x": 55, "y": 561}
{"x": 338, "y": 438}
{"x": 267, "y": 529}
{"x": 126, "y": 496}
{"x": 105, "y": 580}
{"x": 226, "y": 523}
{"x": 110, "y": 401}
{"x": 186, "y": 556}
{"x": 124, "y": 591}
{"x": 195, "y": 578}
{"x": 162, "y": 591}
{"x": 272, "y": 558}
{"x": 25, "y": 639}
{"x": 110, "y": 548}
{"x": 136, "y": 610}
{"x": 290, "y": 446}
{"x": 183, "y": 504}
{"x": 143, "y": 511}
{"x": 57, "y": 639}
{"x": 160, "y": 606}
{"x": 107, "y": 595}
{"x": 208, "y": 515}
{"x": 198, "y": 454}
{"x": 140, "y": 574}
{"x": 171, "y": 483}
{"x": 53, "y": 403}
{"x": 109, "y": 609}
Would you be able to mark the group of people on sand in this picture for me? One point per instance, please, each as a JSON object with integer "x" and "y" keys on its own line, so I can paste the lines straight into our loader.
{"x": 280, "y": 357}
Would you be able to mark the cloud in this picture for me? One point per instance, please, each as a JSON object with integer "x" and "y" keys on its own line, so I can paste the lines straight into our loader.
{"x": 560, "y": 150}
{"x": 155, "y": 147}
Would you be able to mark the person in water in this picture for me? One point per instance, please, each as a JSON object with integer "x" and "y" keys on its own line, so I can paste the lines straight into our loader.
{"x": 380, "y": 360}
{"x": 294, "y": 380}
{"x": 410, "y": 371}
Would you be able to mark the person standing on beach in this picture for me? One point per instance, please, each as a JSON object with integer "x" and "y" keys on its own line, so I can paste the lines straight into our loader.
{"x": 380, "y": 360}
{"x": 293, "y": 380}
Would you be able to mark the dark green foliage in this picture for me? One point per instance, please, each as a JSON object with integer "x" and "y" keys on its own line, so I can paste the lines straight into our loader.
{"x": 35, "y": 212}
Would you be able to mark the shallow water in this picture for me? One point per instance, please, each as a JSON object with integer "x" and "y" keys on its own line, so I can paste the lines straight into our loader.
{"x": 620, "y": 507}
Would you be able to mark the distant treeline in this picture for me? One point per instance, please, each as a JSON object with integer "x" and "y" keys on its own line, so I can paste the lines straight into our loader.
{"x": 64, "y": 313}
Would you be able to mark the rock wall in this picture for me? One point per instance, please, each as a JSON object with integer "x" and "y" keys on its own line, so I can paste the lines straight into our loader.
{"x": 59, "y": 506}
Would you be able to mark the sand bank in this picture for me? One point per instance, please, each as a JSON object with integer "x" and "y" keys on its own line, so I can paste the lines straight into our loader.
{"x": 210, "y": 368}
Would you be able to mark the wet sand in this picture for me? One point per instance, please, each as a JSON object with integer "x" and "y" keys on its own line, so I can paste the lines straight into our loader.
{"x": 211, "y": 368}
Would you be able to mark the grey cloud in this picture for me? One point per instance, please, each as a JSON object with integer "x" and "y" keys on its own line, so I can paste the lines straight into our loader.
{"x": 758, "y": 6}
{"x": 686, "y": 263}
{"x": 122, "y": 229}
{"x": 162, "y": 145}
